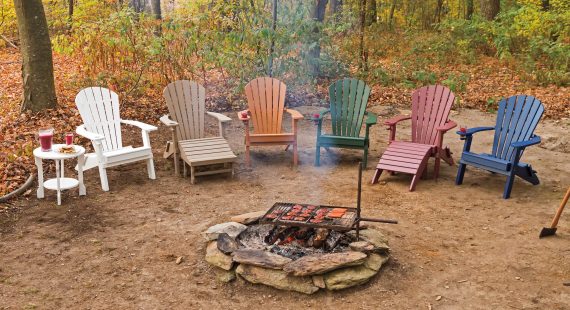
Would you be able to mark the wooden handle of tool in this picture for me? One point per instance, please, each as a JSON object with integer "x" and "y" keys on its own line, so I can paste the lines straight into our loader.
{"x": 559, "y": 212}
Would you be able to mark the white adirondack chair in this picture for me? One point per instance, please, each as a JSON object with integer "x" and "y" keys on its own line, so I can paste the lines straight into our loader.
{"x": 99, "y": 109}
{"x": 186, "y": 105}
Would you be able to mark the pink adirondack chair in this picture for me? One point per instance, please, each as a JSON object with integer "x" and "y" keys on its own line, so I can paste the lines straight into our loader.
{"x": 430, "y": 111}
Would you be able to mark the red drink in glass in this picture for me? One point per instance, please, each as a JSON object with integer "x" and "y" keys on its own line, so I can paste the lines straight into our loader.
{"x": 46, "y": 139}
{"x": 69, "y": 138}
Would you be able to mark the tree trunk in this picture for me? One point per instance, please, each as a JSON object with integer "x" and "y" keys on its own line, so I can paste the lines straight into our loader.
{"x": 156, "y": 11}
{"x": 70, "y": 9}
{"x": 545, "y": 5}
{"x": 391, "y": 18}
{"x": 37, "y": 61}
{"x": 272, "y": 46}
{"x": 318, "y": 15}
{"x": 438, "y": 10}
{"x": 363, "y": 63}
{"x": 137, "y": 5}
{"x": 372, "y": 12}
{"x": 469, "y": 10}
{"x": 490, "y": 8}
{"x": 335, "y": 7}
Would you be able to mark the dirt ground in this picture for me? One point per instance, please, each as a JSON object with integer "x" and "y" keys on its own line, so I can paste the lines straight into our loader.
{"x": 456, "y": 247}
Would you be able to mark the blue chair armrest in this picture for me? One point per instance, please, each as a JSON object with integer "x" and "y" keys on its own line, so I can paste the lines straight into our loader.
{"x": 371, "y": 118}
{"x": 522, "y": 144}
{"x": 474, "y": 130}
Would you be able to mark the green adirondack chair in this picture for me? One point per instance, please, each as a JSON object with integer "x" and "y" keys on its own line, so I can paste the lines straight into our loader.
{"x": 348, "y": 99}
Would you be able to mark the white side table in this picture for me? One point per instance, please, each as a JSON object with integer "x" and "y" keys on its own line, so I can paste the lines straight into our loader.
{"x": 60, "y": 182}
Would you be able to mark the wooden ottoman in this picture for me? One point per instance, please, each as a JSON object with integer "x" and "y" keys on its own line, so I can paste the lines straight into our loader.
{"x": 206, "y": 151}
{"x": 405, "y": 157}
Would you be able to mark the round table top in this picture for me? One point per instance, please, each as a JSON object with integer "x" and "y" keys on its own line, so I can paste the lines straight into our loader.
{"x": 54, "y": 154}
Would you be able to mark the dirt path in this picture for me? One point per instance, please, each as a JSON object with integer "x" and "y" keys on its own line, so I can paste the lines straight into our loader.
{"x": 466, "y": 244}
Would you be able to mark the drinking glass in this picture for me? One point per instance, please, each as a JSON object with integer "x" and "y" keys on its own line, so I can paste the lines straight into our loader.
{"x": 69, "y": 138}
{"x": 46, "y": 139}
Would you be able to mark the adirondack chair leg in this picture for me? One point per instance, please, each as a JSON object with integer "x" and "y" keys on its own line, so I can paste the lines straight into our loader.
{"x": 318, "y": 156}
{"x": 185, "y": 171}
{"x": 247, "y": 159}
{"x": 509, "y": 185}
{"x": 415, "y": 180}
{"x": 192, "y": 175}
{"x": 436, "y": 167}
{"x": 526, "y": 173}
{"x": 365, "y": 157}
{"x": 150, "y": 169}
{"x": 295, "y": 154}
{"x": 460, "y": 174}
{"x": 376, "y": 176}
{"x": 287, "y": 147}
{"x": 103, "y": 176}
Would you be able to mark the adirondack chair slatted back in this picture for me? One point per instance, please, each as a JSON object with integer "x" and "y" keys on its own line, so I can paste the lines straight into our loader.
{"x": 348, "y": 100}
{"x": 266, "y": 102}
{"x": 517, "y": 119}
{"x": 186, "y": 101}
{"x": 99, "y": 109}
{"x": 430, "y": 109}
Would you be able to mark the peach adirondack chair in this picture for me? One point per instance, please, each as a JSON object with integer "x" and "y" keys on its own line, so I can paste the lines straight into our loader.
{"x": 430, "y": 111}
{"x": 266, "y": 104}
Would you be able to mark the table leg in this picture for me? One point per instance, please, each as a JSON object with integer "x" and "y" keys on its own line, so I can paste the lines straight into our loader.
{"x": 57, "y": 176}
{"x": 39, "y": 165}
{"x": 80, "y": 162}
{"x": 62, "y": 167}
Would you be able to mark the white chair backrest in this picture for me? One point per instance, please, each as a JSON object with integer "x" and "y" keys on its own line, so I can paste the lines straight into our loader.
{"x": 186, "y": 101}
{"x": 99, "y": 109}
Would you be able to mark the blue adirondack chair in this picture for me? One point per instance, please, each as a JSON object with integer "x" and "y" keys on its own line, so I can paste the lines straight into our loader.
{"x": 516, "y": 121}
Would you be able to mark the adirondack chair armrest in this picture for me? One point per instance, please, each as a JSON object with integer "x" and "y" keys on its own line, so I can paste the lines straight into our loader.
{"x": 396, "y": 119}
{"x": 89, "y": 135}
{"x": 168, "y": 122}
{"x": 294, "y": 114}
{"x": 522, "y": 144}
{"x": 447, "y": 126}
{"x": 474, "y": 130}
{"x": 220, "y": 117}
{"x": 242, "y": 118}
{"x": 322, "y": 114}
{"x": 141, "y": 125}
{"x": 371, "y": 118}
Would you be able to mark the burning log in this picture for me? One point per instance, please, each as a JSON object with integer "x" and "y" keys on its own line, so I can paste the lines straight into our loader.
{"x": 332, "y": 240}
{"x": 320, "y": 237}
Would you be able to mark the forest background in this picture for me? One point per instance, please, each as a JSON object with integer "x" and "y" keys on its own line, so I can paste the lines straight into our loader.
{"x": 482, "y": 49}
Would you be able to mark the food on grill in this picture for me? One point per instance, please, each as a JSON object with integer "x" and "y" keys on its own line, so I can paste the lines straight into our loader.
{"x": 316, "y": 221}
{"x": 286, "y": 218}
{"x": 271, "y": 216}
{"x": 300, "y": 218}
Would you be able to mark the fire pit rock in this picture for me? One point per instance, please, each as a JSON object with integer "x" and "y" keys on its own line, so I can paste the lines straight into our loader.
{"x": 233, "y": 229}
{"x": 299, "y": 259}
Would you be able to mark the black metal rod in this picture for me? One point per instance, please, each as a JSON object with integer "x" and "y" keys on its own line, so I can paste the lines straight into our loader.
{"x": 367, "y": 219}
{"x": 358, "y": 198}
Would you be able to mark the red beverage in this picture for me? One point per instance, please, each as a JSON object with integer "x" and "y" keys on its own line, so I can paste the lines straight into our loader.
{"x": 46, "y": 139}
{"x": 463, "y": 129}
{"x": 243, "y": 114}
{"x": 69, "y": 138}
{"x": 316, "y": 115}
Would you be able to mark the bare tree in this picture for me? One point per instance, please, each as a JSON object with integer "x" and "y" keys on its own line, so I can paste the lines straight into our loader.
{"x": 156, "y": 10}
{"x": 469, "y": 10}
{"x": 490, "y": 8}
{"x": 318, "y": 15}
{"x": 37, "y": 58}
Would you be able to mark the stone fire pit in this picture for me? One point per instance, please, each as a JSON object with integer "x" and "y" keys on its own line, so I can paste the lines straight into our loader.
{"x": 292, "y": 258}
